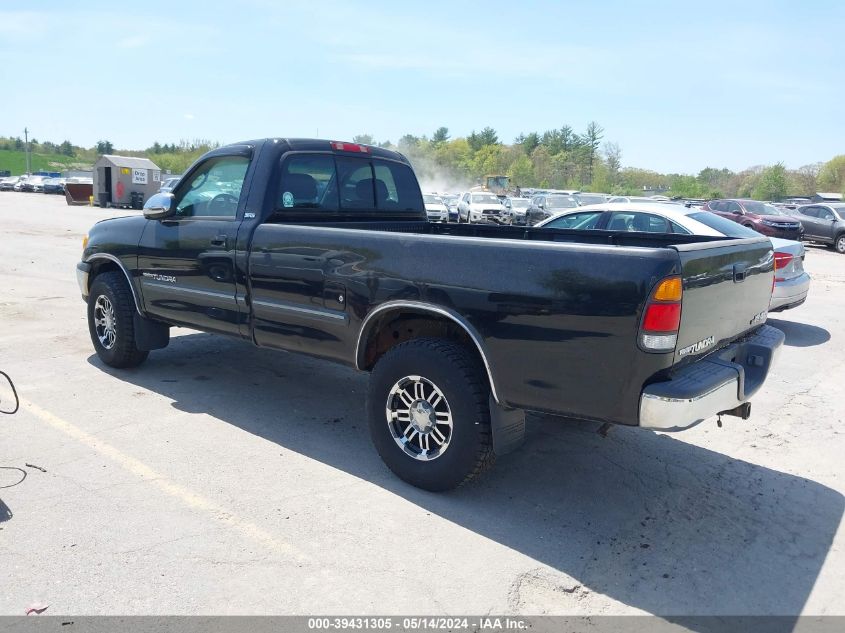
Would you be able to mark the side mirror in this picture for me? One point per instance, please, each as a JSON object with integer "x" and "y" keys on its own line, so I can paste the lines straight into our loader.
{"x": 159, "y": 207}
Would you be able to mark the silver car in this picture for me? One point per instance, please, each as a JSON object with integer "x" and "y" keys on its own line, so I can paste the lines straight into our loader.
{"x": 792, "y": 283}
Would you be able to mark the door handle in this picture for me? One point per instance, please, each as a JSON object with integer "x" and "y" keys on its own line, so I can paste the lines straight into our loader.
{"x": 220, "y": 240}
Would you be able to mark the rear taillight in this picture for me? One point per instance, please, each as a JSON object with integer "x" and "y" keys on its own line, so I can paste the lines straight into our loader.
{"x": 782, "y": 261}
{"x": 662, "y": 316}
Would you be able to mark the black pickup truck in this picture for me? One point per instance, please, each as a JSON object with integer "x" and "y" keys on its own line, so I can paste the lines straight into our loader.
{"x": 323, "y": 248}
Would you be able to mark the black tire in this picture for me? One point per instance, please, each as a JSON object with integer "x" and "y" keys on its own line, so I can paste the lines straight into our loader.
{"x": 122, "y": 352}
{"x": 458, "y": 375}
{"x": 839, "y": 244}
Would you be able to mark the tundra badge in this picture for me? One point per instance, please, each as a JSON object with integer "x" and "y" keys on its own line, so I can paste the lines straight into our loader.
{"x": 696, "y": 347}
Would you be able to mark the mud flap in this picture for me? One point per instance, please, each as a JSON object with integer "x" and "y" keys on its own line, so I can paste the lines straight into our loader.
{"x": 507, "y": 426}
{"x": 149, "y": 334}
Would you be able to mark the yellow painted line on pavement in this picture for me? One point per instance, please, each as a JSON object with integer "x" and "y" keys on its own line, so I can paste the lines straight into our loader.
{"x": 179, "y": 492}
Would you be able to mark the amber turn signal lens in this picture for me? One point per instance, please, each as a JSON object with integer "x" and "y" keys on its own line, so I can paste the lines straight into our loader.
{"x": 669, "y": 289}
{"x": 84, "y": 242}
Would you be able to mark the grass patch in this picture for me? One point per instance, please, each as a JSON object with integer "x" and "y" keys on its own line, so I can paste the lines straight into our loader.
{"x": 15, "y": 162}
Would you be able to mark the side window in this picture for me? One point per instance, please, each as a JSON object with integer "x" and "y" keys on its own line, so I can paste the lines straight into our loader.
{"x": 825, "y": 214}
{"x": 813, "y": 212}
{"x": 585, "y": 220}
{"x": 677, "y": 228}
{"x": 733, "y": 207}
{"x": 214, "y": 189}
{"x": 308, "y": 182}
{"x": 639, "y": 222}
{"x": 719, "y": 205}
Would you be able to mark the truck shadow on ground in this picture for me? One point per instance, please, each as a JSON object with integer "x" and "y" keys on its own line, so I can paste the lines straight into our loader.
{"x": 800, "y": 334}
{"x": 658, "y": 524}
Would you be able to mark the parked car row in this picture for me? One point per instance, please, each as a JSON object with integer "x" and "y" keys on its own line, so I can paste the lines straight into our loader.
{"x": 487, "y": 207}
{"x": 33, "y": 184}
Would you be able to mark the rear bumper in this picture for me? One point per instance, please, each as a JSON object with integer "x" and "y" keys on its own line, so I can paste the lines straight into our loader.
{"x": 718, "y": 382}
{"x": 790, "y": 293}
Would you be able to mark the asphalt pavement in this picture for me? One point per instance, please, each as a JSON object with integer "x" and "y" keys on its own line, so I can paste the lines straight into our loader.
{"x": 218, "y": 478}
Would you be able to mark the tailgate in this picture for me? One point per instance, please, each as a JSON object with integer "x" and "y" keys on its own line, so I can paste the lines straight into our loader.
{"x": 727, "y": 289}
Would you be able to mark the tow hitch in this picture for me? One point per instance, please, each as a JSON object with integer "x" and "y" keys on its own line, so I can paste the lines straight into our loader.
{"x": 742, "y": 411}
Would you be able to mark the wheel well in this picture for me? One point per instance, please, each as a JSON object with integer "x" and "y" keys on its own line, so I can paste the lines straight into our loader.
{"x": 389, "y": 330}
{"x": 100, "y": 266}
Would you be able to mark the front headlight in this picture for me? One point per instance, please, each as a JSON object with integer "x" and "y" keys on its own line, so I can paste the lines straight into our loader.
{"x": 769, "y": 223}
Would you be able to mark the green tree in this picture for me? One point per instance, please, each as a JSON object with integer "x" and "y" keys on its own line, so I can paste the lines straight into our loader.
{"x": 592, "y": 139}
{"x": 530, "y": 142}
{"x": 772, "y": 184}
{"x": 522, "y": 172}
{"x": 19, "y": 144}
{"x": 441, "y": 135}
{"x": 66, "y": 148}
{"x": 613, "y": 160}
{"x": 407, "y": 142}
{"x": 104, "y": 147}
{"x": 363, "y": 139}
{"x": 832, "y": 174}
{"x": 488, "y": 136}
{"x": 805, "y": 180}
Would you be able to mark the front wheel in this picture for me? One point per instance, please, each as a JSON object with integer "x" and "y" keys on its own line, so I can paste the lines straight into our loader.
{"x": 110, "y": 321}
{"x": 429, "y": 413}
{"x": 839, "y": 244}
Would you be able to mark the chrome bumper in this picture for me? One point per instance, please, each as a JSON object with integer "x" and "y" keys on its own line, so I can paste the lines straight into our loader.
{"x": 790, "y": 293}
{"x": 82, "y": 272}
{"x": 718, "y": 382}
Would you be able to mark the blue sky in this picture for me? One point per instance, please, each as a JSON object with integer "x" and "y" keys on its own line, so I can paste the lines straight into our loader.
{"x": 679, "y": 85}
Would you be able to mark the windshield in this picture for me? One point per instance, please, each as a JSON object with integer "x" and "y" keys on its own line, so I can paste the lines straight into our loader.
{"x": 484, "y": 198}
{"x": 761, "y": 208}
{"x": 723, "y": 225}
{"x": 560, "y": 202}
{"x": 587, "y": 198}
{"x": 519, "y": 203}
{"x": 432, "y": 199}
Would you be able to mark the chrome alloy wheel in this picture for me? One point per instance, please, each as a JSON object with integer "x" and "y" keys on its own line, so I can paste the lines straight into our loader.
{"x": 840, "y": 244}
{"x": 104, "y": 322}
{"x": 419, "y": 418}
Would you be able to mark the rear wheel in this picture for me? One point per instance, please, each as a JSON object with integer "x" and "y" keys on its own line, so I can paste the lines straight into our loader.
{"x": 110, "y": 321}
{"x": 839, "y": 244}
{"x": 429, "y": 414}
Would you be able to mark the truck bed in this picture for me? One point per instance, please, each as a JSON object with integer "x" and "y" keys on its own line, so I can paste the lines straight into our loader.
{"x": 558, "y": 311}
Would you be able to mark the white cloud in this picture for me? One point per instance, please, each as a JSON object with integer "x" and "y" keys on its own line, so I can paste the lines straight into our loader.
{"x": 189, "y": 117}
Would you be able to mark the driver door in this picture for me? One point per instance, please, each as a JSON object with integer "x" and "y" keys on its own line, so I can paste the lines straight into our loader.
{"x": 186, "y": 262}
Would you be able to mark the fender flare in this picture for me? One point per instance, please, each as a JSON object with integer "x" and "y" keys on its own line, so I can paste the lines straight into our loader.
{"x": 120, "y": 265}
{"x": 420, "y": 306}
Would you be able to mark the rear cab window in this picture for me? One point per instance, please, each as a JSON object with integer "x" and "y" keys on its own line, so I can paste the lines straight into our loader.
{"x": 316, "y": 185}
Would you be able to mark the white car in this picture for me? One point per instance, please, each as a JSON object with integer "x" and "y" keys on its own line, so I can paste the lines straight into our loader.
{"x": 435, "y": 208}
{"x": 478, "y": 206}
{"x": 792, "y": 283}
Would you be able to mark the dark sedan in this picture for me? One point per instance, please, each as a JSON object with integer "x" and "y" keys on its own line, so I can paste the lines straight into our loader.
{"x": 54, "y": 185}
{"x": 762, "y": 217}
{"x": 546, "y": 205}
{"x": 824, "y": 222}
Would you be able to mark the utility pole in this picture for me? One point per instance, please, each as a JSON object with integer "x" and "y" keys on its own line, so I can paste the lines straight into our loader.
{"x": 26, "y": 149}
